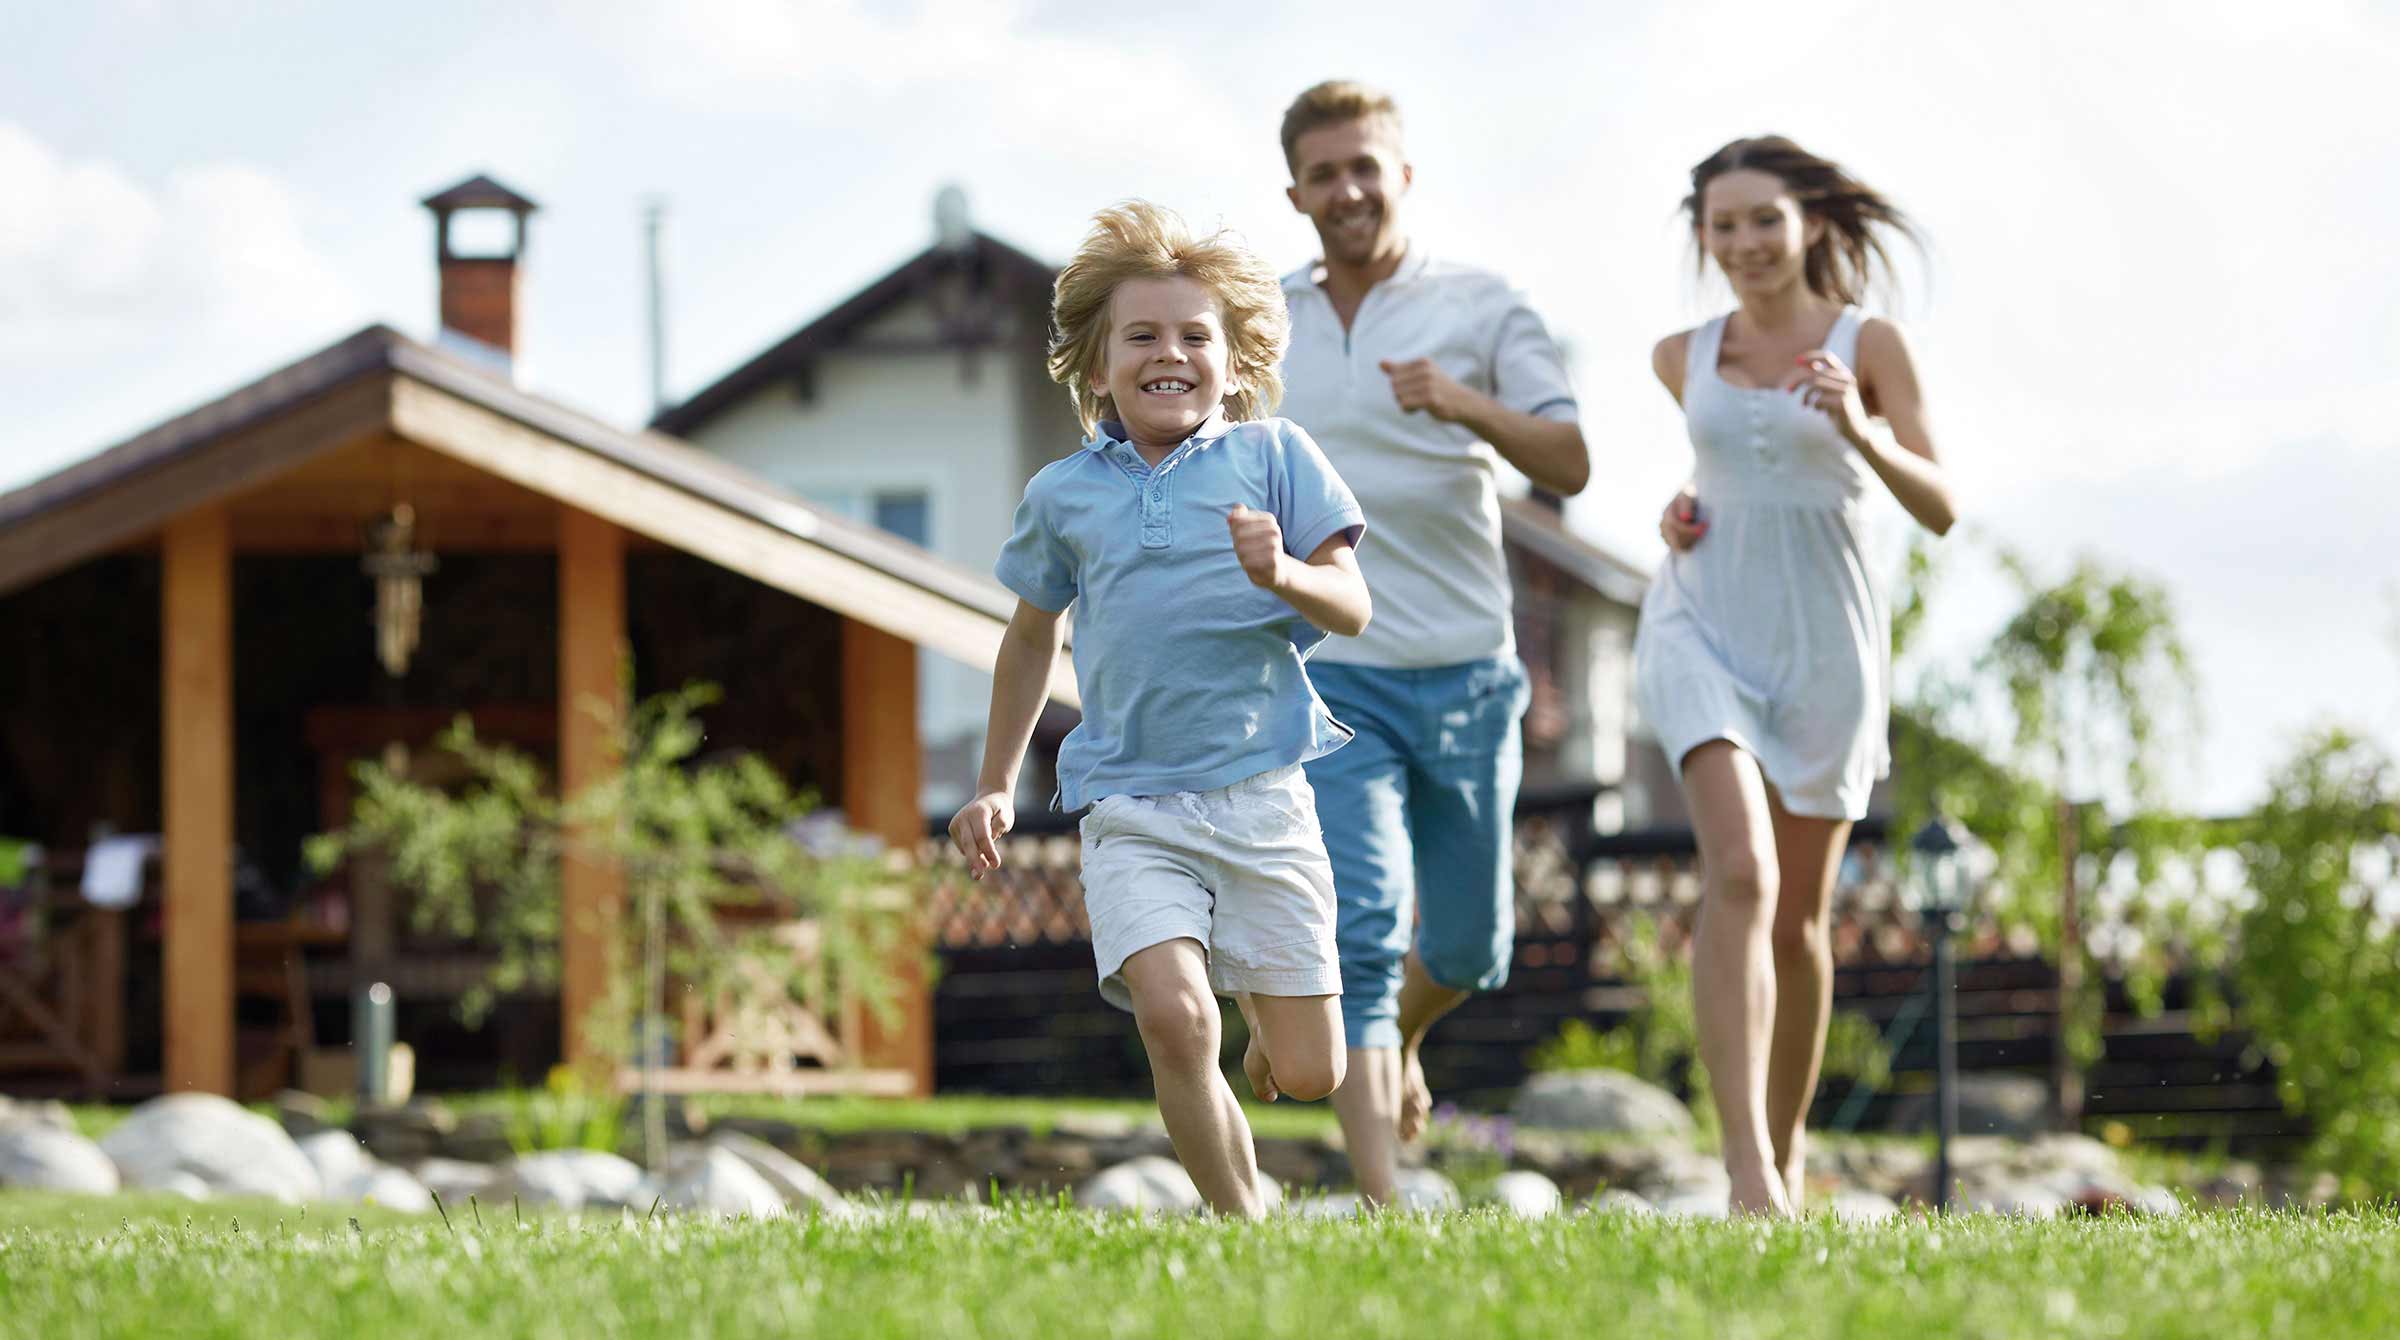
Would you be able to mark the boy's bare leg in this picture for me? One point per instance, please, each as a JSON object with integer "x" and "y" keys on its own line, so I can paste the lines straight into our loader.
{"x": 1422, "y": 1001}
{"x": 1177, "y": 1014}
{"x": 1295, "y": 1046}
{"x": 1367, "y": 1103}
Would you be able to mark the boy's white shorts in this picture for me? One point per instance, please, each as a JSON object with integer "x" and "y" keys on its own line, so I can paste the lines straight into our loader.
{"x": 1240, "y": 869}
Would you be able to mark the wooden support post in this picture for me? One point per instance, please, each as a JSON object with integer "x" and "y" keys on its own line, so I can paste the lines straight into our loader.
{"x": 882, "y": 768}
{"x": 591, "y": 659}
{"x": 197, "y": 769}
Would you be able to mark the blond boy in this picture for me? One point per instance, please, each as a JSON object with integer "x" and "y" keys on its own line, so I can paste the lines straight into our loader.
{"x": 1206, "y": 550}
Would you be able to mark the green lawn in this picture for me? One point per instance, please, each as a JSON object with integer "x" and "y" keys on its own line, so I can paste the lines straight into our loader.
{"x": 146, "y": 1266}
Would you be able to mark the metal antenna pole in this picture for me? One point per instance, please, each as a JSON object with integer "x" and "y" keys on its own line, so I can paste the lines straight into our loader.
{"x": 654, "y": 220}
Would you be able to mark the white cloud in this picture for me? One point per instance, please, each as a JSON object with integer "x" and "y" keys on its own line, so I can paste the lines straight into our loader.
{"x": 93, "y": 262}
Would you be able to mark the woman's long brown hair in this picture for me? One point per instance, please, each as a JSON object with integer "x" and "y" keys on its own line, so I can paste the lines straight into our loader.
{"x": 1856, "y": 215}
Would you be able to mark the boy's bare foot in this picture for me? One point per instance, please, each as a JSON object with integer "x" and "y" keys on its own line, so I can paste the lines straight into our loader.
{"x": 1795, "y": 1183}
{"x": 1416, "y": 1100}
{"x": 1262, "y": 1075}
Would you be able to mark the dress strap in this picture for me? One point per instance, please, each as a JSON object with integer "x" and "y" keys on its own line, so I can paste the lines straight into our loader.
{"x": 1700, "y": 354}
{"x": 1842, "y": 340}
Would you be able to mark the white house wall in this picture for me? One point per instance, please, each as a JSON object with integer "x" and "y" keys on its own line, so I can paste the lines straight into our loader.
{"x": 896, "y": 422}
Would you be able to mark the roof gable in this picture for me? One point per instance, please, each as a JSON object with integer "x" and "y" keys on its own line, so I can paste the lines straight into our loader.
{"x": 985, "y": 259}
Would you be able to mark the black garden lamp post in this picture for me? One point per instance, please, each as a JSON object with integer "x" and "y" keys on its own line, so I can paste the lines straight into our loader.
{"x": 1941, "y": 886}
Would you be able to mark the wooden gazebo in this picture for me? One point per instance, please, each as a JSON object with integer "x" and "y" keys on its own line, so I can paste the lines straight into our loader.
{"x": 222, "y": 558}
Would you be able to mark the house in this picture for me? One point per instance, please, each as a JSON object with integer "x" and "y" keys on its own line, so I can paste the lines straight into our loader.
{"x": 210, "y": 621}
{"x": 921, "y": 404}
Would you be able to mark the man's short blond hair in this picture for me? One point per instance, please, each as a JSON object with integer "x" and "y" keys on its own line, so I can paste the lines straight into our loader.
{"x": 1139, "y": 240}
{"x": 1330, "y": 104}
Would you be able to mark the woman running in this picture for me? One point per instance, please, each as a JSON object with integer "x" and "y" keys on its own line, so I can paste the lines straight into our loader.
{"x": 1764, "y": 657}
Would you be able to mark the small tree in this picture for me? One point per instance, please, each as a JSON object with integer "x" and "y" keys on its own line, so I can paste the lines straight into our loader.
{"x": 2091, "y": 684}
{"x": 2319, "y": 967}
{"x": 693, "y": 838}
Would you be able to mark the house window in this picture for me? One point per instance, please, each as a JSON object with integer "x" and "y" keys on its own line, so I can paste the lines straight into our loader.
{"x": 908, "y": 515}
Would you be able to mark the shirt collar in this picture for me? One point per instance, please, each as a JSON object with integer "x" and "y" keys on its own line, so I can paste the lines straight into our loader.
{"x": 1111, "y": 433}
{"x": 1413, "y": 264}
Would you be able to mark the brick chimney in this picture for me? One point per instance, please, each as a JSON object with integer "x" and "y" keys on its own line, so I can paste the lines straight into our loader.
{"x": 479, "y": 283}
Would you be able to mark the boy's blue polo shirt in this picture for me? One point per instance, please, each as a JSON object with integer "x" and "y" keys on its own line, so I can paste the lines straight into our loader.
{"x": 1191, "y": 675}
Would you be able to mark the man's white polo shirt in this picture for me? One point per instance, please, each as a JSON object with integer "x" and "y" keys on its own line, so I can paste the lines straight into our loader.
{"x": 1431, "y": 556}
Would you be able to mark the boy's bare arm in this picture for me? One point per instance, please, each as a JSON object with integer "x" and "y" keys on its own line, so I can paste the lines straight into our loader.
{"x": 1327, "y": 589}
{"x": 1020, "y": 682}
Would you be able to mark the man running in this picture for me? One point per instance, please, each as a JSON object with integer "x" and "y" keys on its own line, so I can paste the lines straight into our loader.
{"x": 1415, "y": 375}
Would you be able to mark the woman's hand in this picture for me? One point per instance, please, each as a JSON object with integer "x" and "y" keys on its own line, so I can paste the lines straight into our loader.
{"x": 1680, "y": 525}
{"x": 1827, "y": 383}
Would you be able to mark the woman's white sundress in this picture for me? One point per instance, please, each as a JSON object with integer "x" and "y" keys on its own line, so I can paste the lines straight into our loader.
{"x": 1772, "y": 632}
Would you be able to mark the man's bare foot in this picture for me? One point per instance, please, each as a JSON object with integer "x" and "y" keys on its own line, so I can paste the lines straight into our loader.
{"x": 1416, "y": 1100}
{"x": 1262, "y": 1075}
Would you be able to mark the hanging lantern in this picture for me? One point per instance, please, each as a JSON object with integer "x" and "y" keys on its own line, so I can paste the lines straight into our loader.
{"x": 398, "y": 569}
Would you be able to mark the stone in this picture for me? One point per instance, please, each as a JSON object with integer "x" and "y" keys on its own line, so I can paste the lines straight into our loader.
{"x": 570, "y": 1179}
{"x": 1853, "y": 1206}
{"x": 1058, "y": 1162}
{"x": 37, "y": 1157}
{"x": 303, "y": 1114}
{"x": 2022, "y": 1200}
{"x": 479, "y": 1137}
{"x": 338, "y": 1158}
{"x": 2075, "y": 1153}
{"x": 48, "y": 1113}
{"x": 1990, "y": 1103}
{"x": 1609, "y": 1101}
{"x": 231, "y": 1151}
{"x": 184, "y": 1184}
{"x": 1093, "y": 1126}
{"x": 1675, "y": 1170}
{"x": 404, "y": 1134}
{"x": 1526, "y": 1194}
{"x": 1425, "y": 1191}
{"x": 389, "y": 1188}
{"x": 1146, "y": 1185}
{"x": 455, "y": 1180}
{"x": 1298, "y": 1162}
{"x": 1331, "y": 1205}
{"x": 1614, "y": 1200}
{"x": 794, "y": 1181}
{"x": 712, "y": 1179}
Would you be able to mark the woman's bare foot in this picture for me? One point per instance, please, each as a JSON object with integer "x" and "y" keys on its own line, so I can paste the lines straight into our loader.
{"x": 1262, "y": 1075}
{"x": 1759, "y": 1191}
{"x": 1416, "y": 1100}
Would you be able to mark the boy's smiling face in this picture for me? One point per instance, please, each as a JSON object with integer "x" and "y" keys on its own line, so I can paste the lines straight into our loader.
{"x": 1168, "y": 365}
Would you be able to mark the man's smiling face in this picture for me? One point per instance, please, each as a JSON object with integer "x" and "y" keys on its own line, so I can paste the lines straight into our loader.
{"x": 1348, "y": 179}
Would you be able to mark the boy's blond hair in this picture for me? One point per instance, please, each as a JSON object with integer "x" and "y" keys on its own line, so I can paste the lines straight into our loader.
{"x": 1139, "y": 240}
{"x": 1330, "y": 104}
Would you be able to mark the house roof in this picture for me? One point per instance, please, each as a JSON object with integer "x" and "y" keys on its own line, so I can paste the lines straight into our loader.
{"x": 479, "y": 192}
{"x": 1543, "y": 533}
{"x": 986, "y": 256}
{"x": 650, "y": 484}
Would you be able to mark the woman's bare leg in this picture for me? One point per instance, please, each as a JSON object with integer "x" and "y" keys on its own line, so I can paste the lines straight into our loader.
{"x": 1733, "y": 964}
{"x": 1808, "y": 853}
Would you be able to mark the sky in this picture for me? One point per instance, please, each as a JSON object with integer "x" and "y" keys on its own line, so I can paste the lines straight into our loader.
{"x": 2156, "y": 322}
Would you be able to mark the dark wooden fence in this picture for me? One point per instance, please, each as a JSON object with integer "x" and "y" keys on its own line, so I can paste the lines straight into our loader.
{"x": 1017, "y": 1009}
